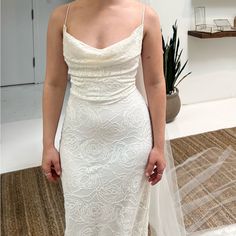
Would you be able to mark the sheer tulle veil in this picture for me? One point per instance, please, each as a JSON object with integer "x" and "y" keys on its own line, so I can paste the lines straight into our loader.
{"x": 192, "y": 208}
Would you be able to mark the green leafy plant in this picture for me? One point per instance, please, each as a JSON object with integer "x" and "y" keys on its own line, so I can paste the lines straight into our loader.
{"x": 171, "y": 61}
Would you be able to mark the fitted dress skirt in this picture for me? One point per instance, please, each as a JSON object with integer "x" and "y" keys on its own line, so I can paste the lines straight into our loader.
{"x": 104, "y": 150}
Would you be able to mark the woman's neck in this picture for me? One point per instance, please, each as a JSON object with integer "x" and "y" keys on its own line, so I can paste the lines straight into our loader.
{"x": 100, "y": 3}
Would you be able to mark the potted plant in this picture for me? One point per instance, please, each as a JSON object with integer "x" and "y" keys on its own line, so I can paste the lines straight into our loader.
{"x": 172, "y": 71}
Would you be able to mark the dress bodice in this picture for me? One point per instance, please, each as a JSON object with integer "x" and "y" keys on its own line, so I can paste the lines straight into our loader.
{"x": 103, "y": 74}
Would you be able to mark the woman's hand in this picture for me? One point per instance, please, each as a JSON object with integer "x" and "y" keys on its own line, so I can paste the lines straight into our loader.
{"x": 51, "y": 165}
{"x": 156, "y": 163}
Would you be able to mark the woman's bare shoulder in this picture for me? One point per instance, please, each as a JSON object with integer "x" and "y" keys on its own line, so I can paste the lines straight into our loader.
{"x": 151, "y": 19}
{"x": 57, "y": 15}
{"x": 151, "y": 14}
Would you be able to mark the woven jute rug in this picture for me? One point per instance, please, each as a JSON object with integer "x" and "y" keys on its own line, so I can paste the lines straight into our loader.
{"x": 30, "y": 205}
{"x": 209, "y": 152}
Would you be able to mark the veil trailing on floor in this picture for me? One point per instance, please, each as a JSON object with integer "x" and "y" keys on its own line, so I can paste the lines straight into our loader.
{"x": 191, "y": 197}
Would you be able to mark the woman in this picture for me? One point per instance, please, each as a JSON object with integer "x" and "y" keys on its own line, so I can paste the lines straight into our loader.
{"x": 112, "y": 143}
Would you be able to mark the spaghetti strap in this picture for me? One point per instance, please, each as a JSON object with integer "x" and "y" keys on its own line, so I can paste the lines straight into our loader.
{"x": 143, "y": 13}
{"x": 67, "y": 11}
{"x": 143, "y": 20}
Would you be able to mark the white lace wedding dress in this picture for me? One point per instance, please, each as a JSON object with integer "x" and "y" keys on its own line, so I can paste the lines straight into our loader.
{"x": 105, "y": 141}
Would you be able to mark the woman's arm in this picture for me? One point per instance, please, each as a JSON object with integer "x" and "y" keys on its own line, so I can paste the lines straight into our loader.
{"x": 54, "y": 86}
{"x": 55, "y": 78}
{"x": 154, "y": 81}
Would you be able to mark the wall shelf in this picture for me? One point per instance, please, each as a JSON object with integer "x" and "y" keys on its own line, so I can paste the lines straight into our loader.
{"x": 221, "y": 34}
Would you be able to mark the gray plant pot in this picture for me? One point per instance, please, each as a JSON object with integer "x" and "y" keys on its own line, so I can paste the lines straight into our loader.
{"x": 173, "y": 105}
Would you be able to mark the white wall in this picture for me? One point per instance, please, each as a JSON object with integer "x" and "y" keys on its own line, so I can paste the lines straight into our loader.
{"x": 212, "y": 61}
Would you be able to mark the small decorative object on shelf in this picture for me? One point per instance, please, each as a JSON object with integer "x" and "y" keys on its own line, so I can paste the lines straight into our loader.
{"x": 208, "y": 29}
{"x": 223, "y": 24}
{"x": 200, "y": 17}
{"x": 200, "y": 21}
{"x": 221, "y": 28}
